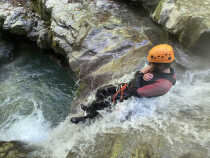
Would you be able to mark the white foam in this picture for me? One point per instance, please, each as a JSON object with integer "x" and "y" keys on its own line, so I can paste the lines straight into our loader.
{"x": 161, "y": 114}
{"x": 32, "y": 128}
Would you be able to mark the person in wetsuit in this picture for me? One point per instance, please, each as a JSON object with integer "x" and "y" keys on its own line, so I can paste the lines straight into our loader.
{"x": 154, "y": 80}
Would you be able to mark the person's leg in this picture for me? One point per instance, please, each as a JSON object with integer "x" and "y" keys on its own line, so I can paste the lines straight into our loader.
{"x": 102, "y": 99}
{"x": 105, "y": 92}
{"x": 84, "y": 118}
{"x": 97, "y": 105}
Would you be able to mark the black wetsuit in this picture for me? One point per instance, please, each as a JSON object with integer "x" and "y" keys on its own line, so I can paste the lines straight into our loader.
{"x": 157, "y": 86}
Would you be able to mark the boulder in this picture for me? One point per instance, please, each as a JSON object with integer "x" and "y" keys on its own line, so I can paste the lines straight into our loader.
{"x": 22, "y": 21}
{"x": 90, "y": 33}
{"x": 135, "y": 144}
{"x": 102, "y": 39}
{"x": 100, "y": 44}
{"x": 188, "y": 20}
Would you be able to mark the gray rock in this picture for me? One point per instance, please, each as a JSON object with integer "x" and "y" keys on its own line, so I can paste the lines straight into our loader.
{"x": 98, "y": 35}
{"x": 189, "y": 20}
{"x": 22, "y": 21}
{"x": 17, "y": 22}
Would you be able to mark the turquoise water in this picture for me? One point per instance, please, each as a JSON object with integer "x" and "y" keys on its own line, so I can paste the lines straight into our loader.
{"x": 35, "y": 95}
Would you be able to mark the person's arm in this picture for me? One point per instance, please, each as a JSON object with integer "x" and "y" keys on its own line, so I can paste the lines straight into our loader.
{"x": 158, "y": 88}
{"x": 147, "y": 69}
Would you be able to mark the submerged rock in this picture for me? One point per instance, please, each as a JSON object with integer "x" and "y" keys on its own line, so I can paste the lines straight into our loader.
{"x": 14, "y": 149}
{"x": 189, "y": 20}
{"x": 136, "y": 144}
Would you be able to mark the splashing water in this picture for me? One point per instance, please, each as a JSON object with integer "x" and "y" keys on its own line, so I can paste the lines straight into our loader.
{"x": 181, "y": 117}
{"x": 35, "y": 95}
{"x": 33, "y": 109}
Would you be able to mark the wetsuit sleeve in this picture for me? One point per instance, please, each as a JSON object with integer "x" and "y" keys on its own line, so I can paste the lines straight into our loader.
{"x": 135, "y": 84}
{"x": 158, "y": 88}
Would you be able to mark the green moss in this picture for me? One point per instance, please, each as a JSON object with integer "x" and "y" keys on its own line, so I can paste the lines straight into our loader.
{"x": 144, "y": 151}
{"x": 39, "y": 7}
{"x": 81, "y": 88}
{"x": 6, "y": 147}
{"x": 158, "y": 10}
{"x": 12, "y": 154}
{"x": 116, "y": 149}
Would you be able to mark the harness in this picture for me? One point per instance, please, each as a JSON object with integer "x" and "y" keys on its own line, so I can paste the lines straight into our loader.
{"x": 120, "y": 91}
{"x": 138, "y": 82}
{"x": 170, "y": 77}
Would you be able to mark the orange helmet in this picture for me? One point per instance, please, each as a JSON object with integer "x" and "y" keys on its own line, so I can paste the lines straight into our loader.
{"x": 162, "y": 53}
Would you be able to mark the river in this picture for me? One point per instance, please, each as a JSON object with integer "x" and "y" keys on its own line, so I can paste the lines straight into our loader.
{"x": 36, "y": 94}
{"x": 174, "y": 125}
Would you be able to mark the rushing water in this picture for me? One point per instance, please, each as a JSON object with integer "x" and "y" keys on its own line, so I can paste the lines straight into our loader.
{"x": 180, "y": 118}
{"x": 35, "y": 95}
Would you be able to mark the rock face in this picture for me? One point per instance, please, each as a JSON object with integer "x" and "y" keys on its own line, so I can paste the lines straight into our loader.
{"x": 189, "y": 20}
{"x": 21, "y": 21}
{"x": 103, "y": 39}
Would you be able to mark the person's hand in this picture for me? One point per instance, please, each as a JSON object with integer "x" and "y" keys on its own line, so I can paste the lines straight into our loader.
{"x": 148, "y": 76}
{"x": 147, "y": 69}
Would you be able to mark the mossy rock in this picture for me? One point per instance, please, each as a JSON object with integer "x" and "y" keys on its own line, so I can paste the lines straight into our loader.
{"x": 14, "y": 149}
{"x": 39, "y": 7}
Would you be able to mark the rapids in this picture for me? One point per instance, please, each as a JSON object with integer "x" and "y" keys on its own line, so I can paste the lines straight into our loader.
{"x": 181, "y": 117}
{"x": 35, "y": 95}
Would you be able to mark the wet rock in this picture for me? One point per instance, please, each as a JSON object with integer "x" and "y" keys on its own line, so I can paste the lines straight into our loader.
{"x": 39, "y": 7}
{"x": 100, "y": 44}
{"x": 13, "y": 149}
{"x": 136, "y": 143}
{"x": 16, "y": 23}
{"x": 189, "y": 20}
{"x": 21, "y": 21}
{"x": 98, "y": 37}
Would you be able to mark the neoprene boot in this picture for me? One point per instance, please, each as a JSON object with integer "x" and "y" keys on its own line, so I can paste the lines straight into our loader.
{"x": 76, "y": 120}
{"x": 82, "y": 119}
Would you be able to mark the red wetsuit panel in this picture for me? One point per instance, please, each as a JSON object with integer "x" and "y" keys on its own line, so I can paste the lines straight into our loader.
{"x": 158, "y": 88}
